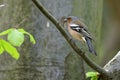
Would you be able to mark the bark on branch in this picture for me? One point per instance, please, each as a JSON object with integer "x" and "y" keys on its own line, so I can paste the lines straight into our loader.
{"x": 113, "y": 67}
{"x": 71, "y": 43}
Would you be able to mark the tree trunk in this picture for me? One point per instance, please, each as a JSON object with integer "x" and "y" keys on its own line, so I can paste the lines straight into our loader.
{"x": 45, "y": 60}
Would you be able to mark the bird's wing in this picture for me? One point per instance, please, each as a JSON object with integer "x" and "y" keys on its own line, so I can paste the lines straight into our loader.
{"x": 80, "y": 29}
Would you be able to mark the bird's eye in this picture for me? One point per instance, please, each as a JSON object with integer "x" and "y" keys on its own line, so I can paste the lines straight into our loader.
{"x": 69, "y": 20}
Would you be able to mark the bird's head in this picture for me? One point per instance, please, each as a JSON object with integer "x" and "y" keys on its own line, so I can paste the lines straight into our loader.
{"x": 70, "y": 19}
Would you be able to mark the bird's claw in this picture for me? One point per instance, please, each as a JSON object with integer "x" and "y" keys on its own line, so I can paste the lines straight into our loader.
{"x": 72, "y": 41}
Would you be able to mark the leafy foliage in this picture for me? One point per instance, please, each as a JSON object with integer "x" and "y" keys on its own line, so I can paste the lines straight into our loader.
{"x": 1, "y": 48}
{"x": 31, "y": 37}
{"x": 5, "y": 32}
{"x": 5, "y": 46}
{"x": 15, "y": 38}
{"x": 92, "y": 75}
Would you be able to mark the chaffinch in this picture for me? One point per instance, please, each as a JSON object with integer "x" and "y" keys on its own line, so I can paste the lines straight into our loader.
{"x": 79, "y": 31}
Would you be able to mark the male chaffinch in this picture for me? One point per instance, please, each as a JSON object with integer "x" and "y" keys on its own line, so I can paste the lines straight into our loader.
{"x": 79, "y": 31}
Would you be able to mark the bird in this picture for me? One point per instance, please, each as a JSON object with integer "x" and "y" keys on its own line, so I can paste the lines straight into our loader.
{"x": 79, "y": 31}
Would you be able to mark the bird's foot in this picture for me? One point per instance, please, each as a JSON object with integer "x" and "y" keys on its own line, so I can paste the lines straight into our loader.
{"x": 72, "y": 41}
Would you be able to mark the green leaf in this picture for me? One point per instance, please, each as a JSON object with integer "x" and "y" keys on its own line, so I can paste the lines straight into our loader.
{"x": 94, "y": 78}
{"x": 15, "y": 37}
{"x": 92, "y": 75}
{"x": 31, "y": 37}
{"x": 5, "y": 32}
{"x": 1, "y": 48}
{"x": 10, "y": 49}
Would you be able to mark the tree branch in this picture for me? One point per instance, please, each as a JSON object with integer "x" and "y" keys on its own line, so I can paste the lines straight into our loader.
{"x": 71, "y": 43}
{"x": 113, "y": 67}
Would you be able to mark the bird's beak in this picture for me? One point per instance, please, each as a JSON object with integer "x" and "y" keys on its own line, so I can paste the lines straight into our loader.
{"x": 65, "y": 20}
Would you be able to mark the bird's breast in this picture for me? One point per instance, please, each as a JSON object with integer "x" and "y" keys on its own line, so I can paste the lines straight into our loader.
{"x": 75, "y": 34}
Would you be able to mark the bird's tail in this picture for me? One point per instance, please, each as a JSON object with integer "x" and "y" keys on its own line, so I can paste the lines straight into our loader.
{"x": 90, "y": 46}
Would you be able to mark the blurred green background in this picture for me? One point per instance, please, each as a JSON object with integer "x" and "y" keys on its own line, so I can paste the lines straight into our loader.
{"x": 103, "y": 20}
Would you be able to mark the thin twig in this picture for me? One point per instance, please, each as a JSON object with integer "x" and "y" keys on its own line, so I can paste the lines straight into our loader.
{"x": 20, "y": 23}
{"x": 71, "y": 43}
